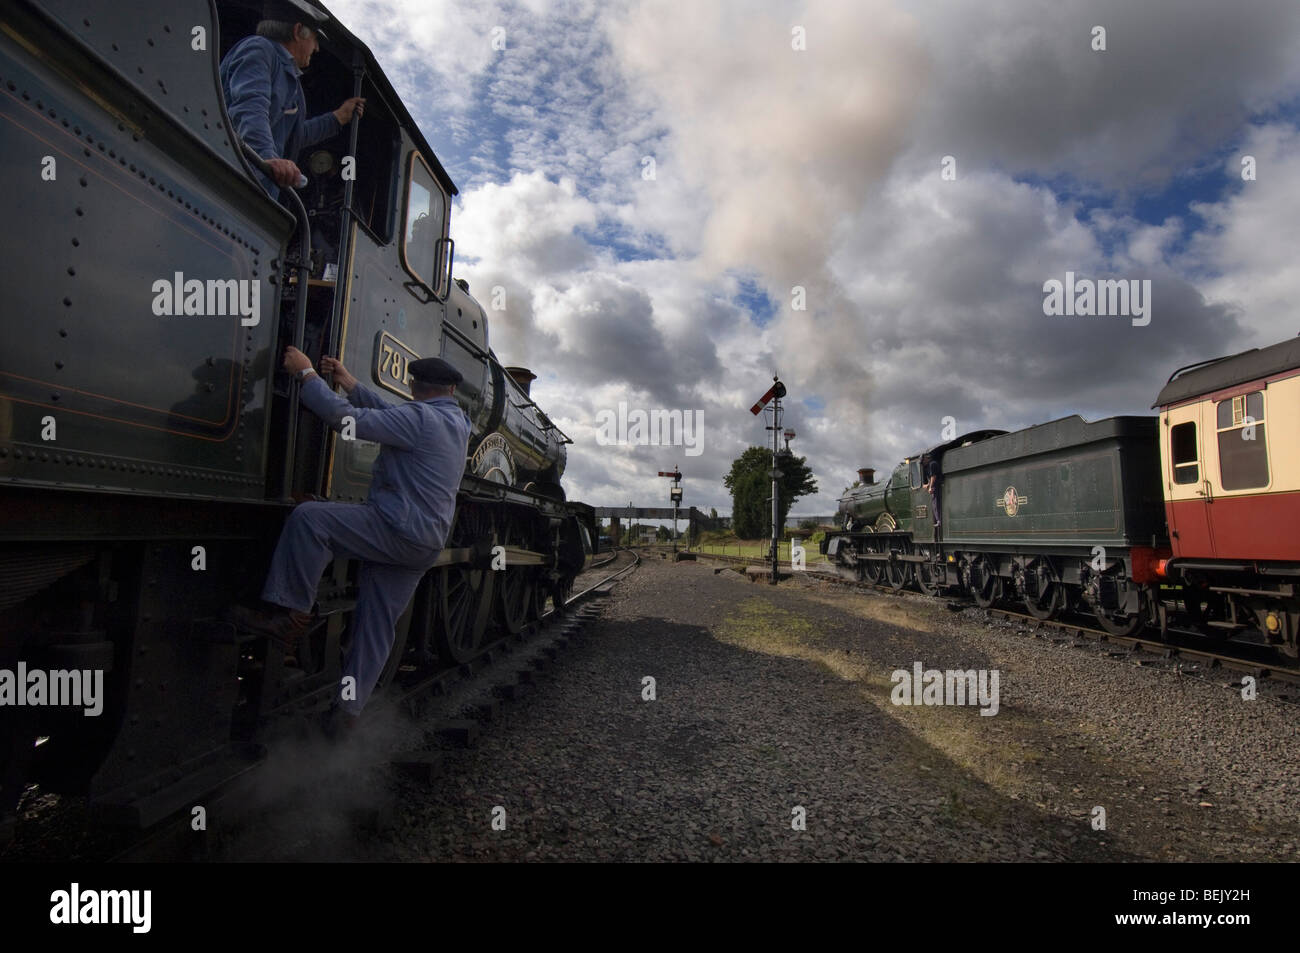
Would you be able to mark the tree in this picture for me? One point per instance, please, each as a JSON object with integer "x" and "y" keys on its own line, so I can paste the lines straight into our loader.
{"x": 751, "y": 490}
{"x": 750, "y": 511}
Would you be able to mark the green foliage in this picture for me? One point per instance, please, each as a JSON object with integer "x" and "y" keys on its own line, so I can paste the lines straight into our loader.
{"x": 750, "y": 517}
{"x": 751, "y": 488}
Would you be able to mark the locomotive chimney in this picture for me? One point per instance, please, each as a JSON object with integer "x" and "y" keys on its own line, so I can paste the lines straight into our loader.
{"x": 867, "y": 475}
{"x": 521, "y": 376}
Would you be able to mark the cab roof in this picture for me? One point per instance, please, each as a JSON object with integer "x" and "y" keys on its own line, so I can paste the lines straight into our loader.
{"x": 1196, "y": 380}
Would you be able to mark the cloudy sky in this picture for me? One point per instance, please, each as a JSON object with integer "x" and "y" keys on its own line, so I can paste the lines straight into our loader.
{"x": 651, "y": 180}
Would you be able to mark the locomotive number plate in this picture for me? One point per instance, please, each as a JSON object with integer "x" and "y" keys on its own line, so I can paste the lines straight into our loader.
{"x": 392, "y": 364}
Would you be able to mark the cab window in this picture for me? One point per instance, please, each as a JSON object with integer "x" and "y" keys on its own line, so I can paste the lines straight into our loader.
{"x": 1182, "y": 451}
{"x": 1243, "y": 453}
{"x": 423, "y": 225}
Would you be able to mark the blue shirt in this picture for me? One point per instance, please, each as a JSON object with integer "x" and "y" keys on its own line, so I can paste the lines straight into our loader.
{"x": 266, "y": 104}
{"x": 421, "y": 462}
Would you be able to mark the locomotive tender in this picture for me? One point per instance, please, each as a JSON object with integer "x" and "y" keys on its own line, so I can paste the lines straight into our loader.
{"x": 150, "y": 444}
{"x": 1198, "y": 506}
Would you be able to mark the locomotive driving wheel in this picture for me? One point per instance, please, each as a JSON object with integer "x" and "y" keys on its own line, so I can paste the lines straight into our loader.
{"x": 927, "y": 576}
{"x": 872, "y": 569}
{"x": 897, "y": 572}
{"x": 516, "y": 583}
{"x": 465, "y": 589}
{"x": 540, "y": 593}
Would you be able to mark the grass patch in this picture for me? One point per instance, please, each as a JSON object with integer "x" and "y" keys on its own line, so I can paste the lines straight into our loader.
{"x": 727, "y": 544}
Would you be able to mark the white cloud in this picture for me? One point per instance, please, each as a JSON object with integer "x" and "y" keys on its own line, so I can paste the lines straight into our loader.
{"x": 820, "y": 168}
{"x": 1248, "y": 249}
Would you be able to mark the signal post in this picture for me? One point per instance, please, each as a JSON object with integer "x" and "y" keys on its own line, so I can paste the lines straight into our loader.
{"x": 675, "y": 497}
{"x": 774, "y": 395}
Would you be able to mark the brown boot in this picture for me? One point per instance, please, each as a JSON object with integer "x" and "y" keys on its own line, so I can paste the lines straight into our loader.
{"x": 285, "y": 627}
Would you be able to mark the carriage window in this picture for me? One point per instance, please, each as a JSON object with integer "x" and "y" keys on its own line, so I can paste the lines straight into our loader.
{"x": 422, "y": 225}
{"x": 1182, "y": 451}
{"x": 1243, "y": 453}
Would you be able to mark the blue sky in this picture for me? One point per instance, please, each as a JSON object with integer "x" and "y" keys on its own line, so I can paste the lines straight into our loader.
{"x": 657, "y": 185}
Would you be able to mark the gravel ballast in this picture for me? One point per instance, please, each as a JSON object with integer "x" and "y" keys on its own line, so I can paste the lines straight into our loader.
{"x": 772, "y": 713}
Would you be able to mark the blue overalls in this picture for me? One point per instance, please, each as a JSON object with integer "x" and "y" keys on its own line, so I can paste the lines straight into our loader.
{"x": 266, "y": 104}
{"x": 397, "y": 533}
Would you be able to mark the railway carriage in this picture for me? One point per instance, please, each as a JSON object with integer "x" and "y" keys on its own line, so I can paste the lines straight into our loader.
{"x": 1230, "y": 463}
{"x": 150, "y": 445}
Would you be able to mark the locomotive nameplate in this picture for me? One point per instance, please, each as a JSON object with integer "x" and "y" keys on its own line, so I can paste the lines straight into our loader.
{"x": 391, "y": 367}
{"x": 493, "y": 460}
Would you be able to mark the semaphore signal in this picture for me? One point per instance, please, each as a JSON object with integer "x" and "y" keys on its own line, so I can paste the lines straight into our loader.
{"x": 674, "y": 497}
{"x": 777, "y": 390}
{"x": 774, "y": 395}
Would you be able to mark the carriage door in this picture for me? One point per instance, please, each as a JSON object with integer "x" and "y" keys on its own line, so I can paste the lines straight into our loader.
{"x": 1243, "y": 520}
{"x": 1188, "y": 494}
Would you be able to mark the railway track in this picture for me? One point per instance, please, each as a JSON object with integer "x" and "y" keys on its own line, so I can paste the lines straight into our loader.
{"x": 1259, "y": 661}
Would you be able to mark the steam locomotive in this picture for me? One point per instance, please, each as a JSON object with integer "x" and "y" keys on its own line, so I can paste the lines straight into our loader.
{"x": 1197, "y": 509}
{"x": 150, "y": 445}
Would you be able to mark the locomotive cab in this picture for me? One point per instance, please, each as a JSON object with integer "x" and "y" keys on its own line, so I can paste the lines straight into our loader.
{"x": 331, "y": 164}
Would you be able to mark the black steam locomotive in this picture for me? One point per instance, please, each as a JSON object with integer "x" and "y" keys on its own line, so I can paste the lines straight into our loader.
{"x": 150, "y": 445}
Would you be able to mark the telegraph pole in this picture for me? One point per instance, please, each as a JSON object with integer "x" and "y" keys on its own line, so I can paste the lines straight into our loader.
{"x": 774, "y": 394}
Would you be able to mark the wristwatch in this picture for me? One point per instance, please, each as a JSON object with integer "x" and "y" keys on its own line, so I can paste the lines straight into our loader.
{"x": 302, "y": 374}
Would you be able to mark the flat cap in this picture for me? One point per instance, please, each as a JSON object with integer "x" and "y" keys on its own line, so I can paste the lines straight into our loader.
{"x": 294, "y": 11}
{"x": 434, "y": 370}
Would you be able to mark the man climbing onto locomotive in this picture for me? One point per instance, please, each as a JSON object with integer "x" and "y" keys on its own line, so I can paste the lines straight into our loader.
{"x": 397, "y": 533}
{"x": 259, "y": 78}
{"x": 933, "y": 482}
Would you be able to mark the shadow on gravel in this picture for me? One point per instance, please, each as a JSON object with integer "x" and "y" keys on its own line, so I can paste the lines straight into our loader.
{"x": 743, "y": 752}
